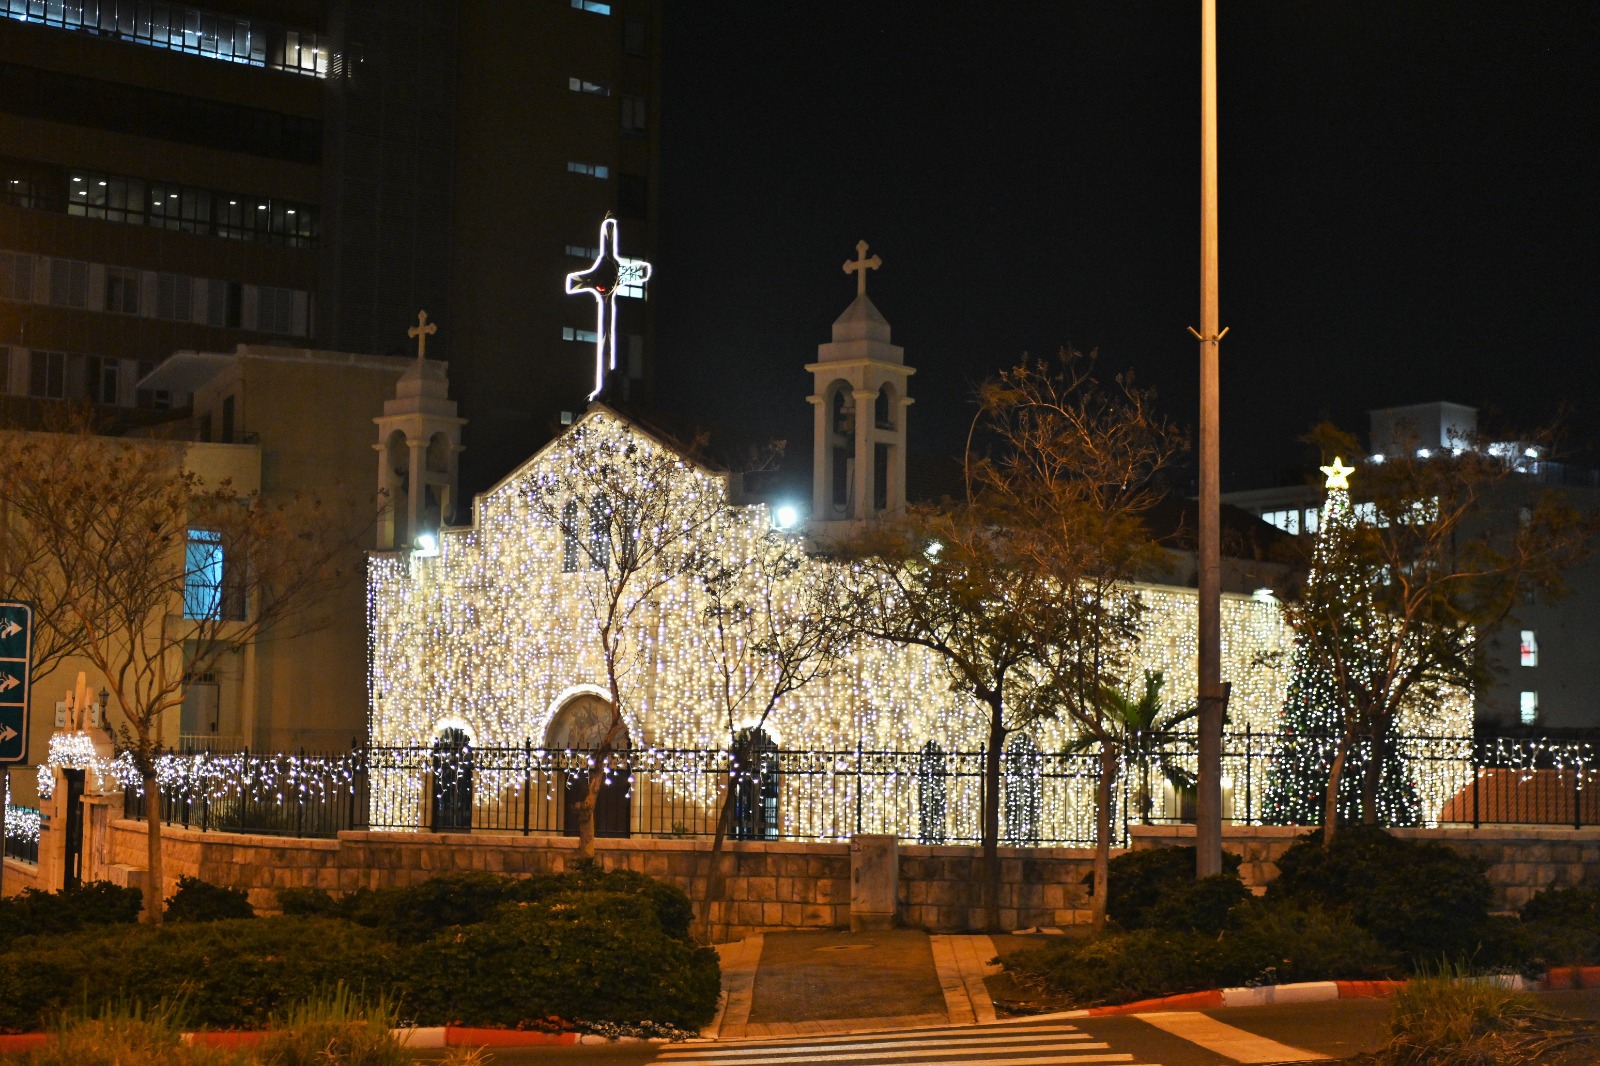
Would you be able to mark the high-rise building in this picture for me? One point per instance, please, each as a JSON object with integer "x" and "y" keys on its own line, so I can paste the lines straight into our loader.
{"x": 311, "y": 173}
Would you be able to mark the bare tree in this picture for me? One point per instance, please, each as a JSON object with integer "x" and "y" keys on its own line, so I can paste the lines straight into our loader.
{"x": 152, "y": 574}
{"x": 1073, "y": 468}
{"x": 1437, "y": 549}
{"x": 776, "y": 626}
{"x": 635, "y": 517}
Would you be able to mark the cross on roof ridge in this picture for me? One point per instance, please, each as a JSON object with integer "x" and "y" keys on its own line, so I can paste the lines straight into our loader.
{"x": 860, "y": 266}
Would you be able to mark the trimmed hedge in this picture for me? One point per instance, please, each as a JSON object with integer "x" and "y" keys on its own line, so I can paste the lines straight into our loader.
{"x": 36, "y": 913}
{"x": 1138, "y": 880}
{"x": 200, "y": 901}
{"x": 1422, "y": 899}
{"x": 470, "y": 948}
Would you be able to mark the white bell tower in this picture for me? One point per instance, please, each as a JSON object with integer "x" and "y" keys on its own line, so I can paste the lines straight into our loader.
{"x": 419, "y": 442}
{"x": 859, "y": 402}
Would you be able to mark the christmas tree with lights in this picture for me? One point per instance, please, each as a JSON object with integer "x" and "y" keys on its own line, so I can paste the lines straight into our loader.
{"x": 1340, "y": 585}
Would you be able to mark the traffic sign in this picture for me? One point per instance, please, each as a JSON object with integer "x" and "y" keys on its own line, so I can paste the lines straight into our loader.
{"x": 16, "y": 647}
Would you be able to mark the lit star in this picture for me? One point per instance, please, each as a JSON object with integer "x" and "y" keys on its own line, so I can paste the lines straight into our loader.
{"x": 1338, "y": 474}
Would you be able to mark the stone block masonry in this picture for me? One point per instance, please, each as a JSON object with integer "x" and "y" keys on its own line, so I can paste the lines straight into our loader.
{"x": 789, "y": 884}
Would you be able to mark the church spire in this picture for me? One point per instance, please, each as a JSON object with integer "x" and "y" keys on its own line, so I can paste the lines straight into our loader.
{"x": 859, "y": 405}
{"x": 419, "y": 442}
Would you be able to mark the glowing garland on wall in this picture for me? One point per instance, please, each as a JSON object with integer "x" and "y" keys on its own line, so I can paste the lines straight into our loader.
{"x": 493, "y": 632}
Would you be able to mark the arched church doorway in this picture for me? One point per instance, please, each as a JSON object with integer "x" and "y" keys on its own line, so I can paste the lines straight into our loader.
{"x": 755, "y": 790}
{"x": 580, "y": 726}
{"x": 451, "y": 763}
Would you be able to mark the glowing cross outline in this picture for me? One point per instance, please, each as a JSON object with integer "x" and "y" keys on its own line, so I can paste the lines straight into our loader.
{"x": 1338, "y": 474}
{"x": 606, "y": 277}
{"x": 422, "y": 331}
{"x": 860, "y": 265}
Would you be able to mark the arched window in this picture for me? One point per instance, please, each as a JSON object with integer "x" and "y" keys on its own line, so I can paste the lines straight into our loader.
{"x": 755, "y": 788}
{"x": 1024, "y": 786}
{"x": 600, "y": 532}
{"x": 571, "y": 547}
{"x": 931, "y": 802}
{"x": 451, "y": 763}
{"x": 883, "y": 409}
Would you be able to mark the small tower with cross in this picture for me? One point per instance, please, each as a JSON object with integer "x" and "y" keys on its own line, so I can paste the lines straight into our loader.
{"x": 419, "y": 443}
{"x": 859, "y": 405}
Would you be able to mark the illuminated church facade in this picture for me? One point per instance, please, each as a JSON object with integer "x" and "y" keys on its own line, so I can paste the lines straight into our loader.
{"x": 489, "y": 637}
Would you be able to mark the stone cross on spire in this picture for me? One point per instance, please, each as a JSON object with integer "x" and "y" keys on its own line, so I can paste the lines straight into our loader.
{"x": 421, "y": 332}
{"x": 860, "y": 266}
{"x": 607, "y": 278}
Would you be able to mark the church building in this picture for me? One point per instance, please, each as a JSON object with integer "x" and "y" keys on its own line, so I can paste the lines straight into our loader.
{"x": 486, "y": 638}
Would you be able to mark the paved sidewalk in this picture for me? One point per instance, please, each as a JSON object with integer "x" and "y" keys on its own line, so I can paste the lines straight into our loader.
{"x": 815, "y": 983}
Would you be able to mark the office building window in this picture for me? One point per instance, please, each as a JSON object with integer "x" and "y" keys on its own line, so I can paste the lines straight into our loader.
{"x": 179, "y": 28}
{"x": 1530, "y": 708}
{"x": 636, "y": 36}
{"x": 229, "y": 406}
{"x": 593, "y": 170}
{"x": 122, "y": 290}
{"x": 594, "y": 7}
{"x": 1530, "y": 648}
{"x": 16, "y": 276}
{"x": 103, "y": 379}
{"x": 586, "y": 336}
{"x": 579, "y": 251}
{"x": 633, "y": 196}
{"x": 633, "y": 114}
{"x": 47, "y": 375}
{"x": 174, "y": 297}
{"x": 202, "y": 577}
{"x": 592, "y": 88}
{"x": 69, "y": 283}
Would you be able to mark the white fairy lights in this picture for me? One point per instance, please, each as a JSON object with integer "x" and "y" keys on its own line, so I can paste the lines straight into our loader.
{"x": 492, "y": 631}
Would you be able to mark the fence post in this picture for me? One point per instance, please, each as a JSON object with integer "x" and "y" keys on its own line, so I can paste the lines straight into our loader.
{"x": 983, "y": 795}
{"x": 1477, "y": 778}
{"x": 1577, "y": 798}
{"x": 858, "y": 786}
{"x": 527, "y": 785}
{"x": 1249, "y": 758}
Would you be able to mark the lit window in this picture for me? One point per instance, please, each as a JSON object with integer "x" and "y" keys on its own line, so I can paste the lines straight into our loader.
{"x": 587, "y": 336}
{"x": 592, "y": 6}
{"x": 1530, "y": 708}
{"x": 593, "y": 170}
{"x": 1530, "y": 648}
{"x": 202, "y": 577}
{"x": 593, "y": 88}
{"x": 578, "y": 251}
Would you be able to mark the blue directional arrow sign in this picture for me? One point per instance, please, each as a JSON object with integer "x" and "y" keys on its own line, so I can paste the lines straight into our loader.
{"x": 16, "y": 647}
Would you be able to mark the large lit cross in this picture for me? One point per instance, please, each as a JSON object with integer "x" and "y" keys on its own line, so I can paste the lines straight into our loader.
{"x": 606, "y": 279}
{"x": 421, "y": 332}
{"x": 860, "y": 265}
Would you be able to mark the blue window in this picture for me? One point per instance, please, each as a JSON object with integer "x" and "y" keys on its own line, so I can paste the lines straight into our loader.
{"x": 202, "y": 575}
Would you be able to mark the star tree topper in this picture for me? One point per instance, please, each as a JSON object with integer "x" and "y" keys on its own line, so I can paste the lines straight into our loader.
{"x": 1338, "y": 474}
{"x": 607, "y": 278}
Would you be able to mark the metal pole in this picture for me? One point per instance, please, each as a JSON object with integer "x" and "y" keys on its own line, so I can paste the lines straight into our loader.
{"x": 1208, "y": 800}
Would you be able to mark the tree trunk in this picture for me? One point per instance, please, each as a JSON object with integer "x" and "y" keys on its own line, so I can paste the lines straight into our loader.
{"x": 1372, "y": 777}
{"x": 991, "y": 823}
{"x": 1102, "y": 837}
{"x": 584, "y": 809}
{"x": 1330, "y": 800}
{"x": 154, "y": 873}
{"x": 714, "y": 882}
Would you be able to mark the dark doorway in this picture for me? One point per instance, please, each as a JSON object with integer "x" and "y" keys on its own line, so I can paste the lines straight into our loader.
{"x": 755, "y": 789}
{"x": 73, "y": 876}
{"x": 612, "y": 808}
{"x": 452, "y": 782}
{"x": 581, "y": 728}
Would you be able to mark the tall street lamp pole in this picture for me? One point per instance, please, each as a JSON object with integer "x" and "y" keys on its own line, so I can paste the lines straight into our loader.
{"x": 1208, "y": 806}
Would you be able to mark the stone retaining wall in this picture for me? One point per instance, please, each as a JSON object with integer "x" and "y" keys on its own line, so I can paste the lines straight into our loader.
{"x": 19, "y": 876}
{"x": 1521, "y": 860}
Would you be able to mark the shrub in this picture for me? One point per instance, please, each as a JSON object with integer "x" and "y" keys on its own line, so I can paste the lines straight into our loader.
{"x": 200, "y": 901}
{"x": 595, "y": 956}
{"x": 336, "y": 1026}
{"x": 1203, "y": 906}
{"x": 1268, "y": 945}
{"x": 1423, "y": 900}
{"x": 1448, "y": 1019}
{"x": 232, "y": 974}
{"x": 36, "y": 913}
{"x": 307, "y": 902}
{"x": 1137, "y": 880}
{"x": 1561, "y": 927}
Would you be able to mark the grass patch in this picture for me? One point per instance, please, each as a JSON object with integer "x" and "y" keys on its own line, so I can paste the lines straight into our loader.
{"x": 1445, "y": 1018}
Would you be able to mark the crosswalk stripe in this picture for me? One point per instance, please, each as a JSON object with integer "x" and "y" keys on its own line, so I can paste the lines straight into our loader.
{"x": 824, "y": 1052}
{"x": 1051, "y": 1028}
{"x": 1226, "y": 1040}
{"x": 979, "y": 1041}
{"x": 973, "y": 1055}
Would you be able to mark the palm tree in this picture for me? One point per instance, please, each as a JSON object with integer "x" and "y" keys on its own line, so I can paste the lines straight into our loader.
{"x": 1148, "y": 737}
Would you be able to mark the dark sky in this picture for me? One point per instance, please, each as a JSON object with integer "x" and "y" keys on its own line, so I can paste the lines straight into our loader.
{"x": 1410, "y": 204}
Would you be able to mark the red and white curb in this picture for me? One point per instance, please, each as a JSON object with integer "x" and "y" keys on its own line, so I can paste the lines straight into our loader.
{"x": 1321, "y": 991}
{"x": 422, "y": 1037}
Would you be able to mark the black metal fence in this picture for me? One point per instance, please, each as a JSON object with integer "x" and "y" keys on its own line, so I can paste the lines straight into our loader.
{"x": 928, "y": 796}
{"x": 22, "y": 834}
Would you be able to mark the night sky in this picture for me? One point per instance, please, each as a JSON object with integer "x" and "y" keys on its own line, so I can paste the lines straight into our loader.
{"x": 1410, "y": 195}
